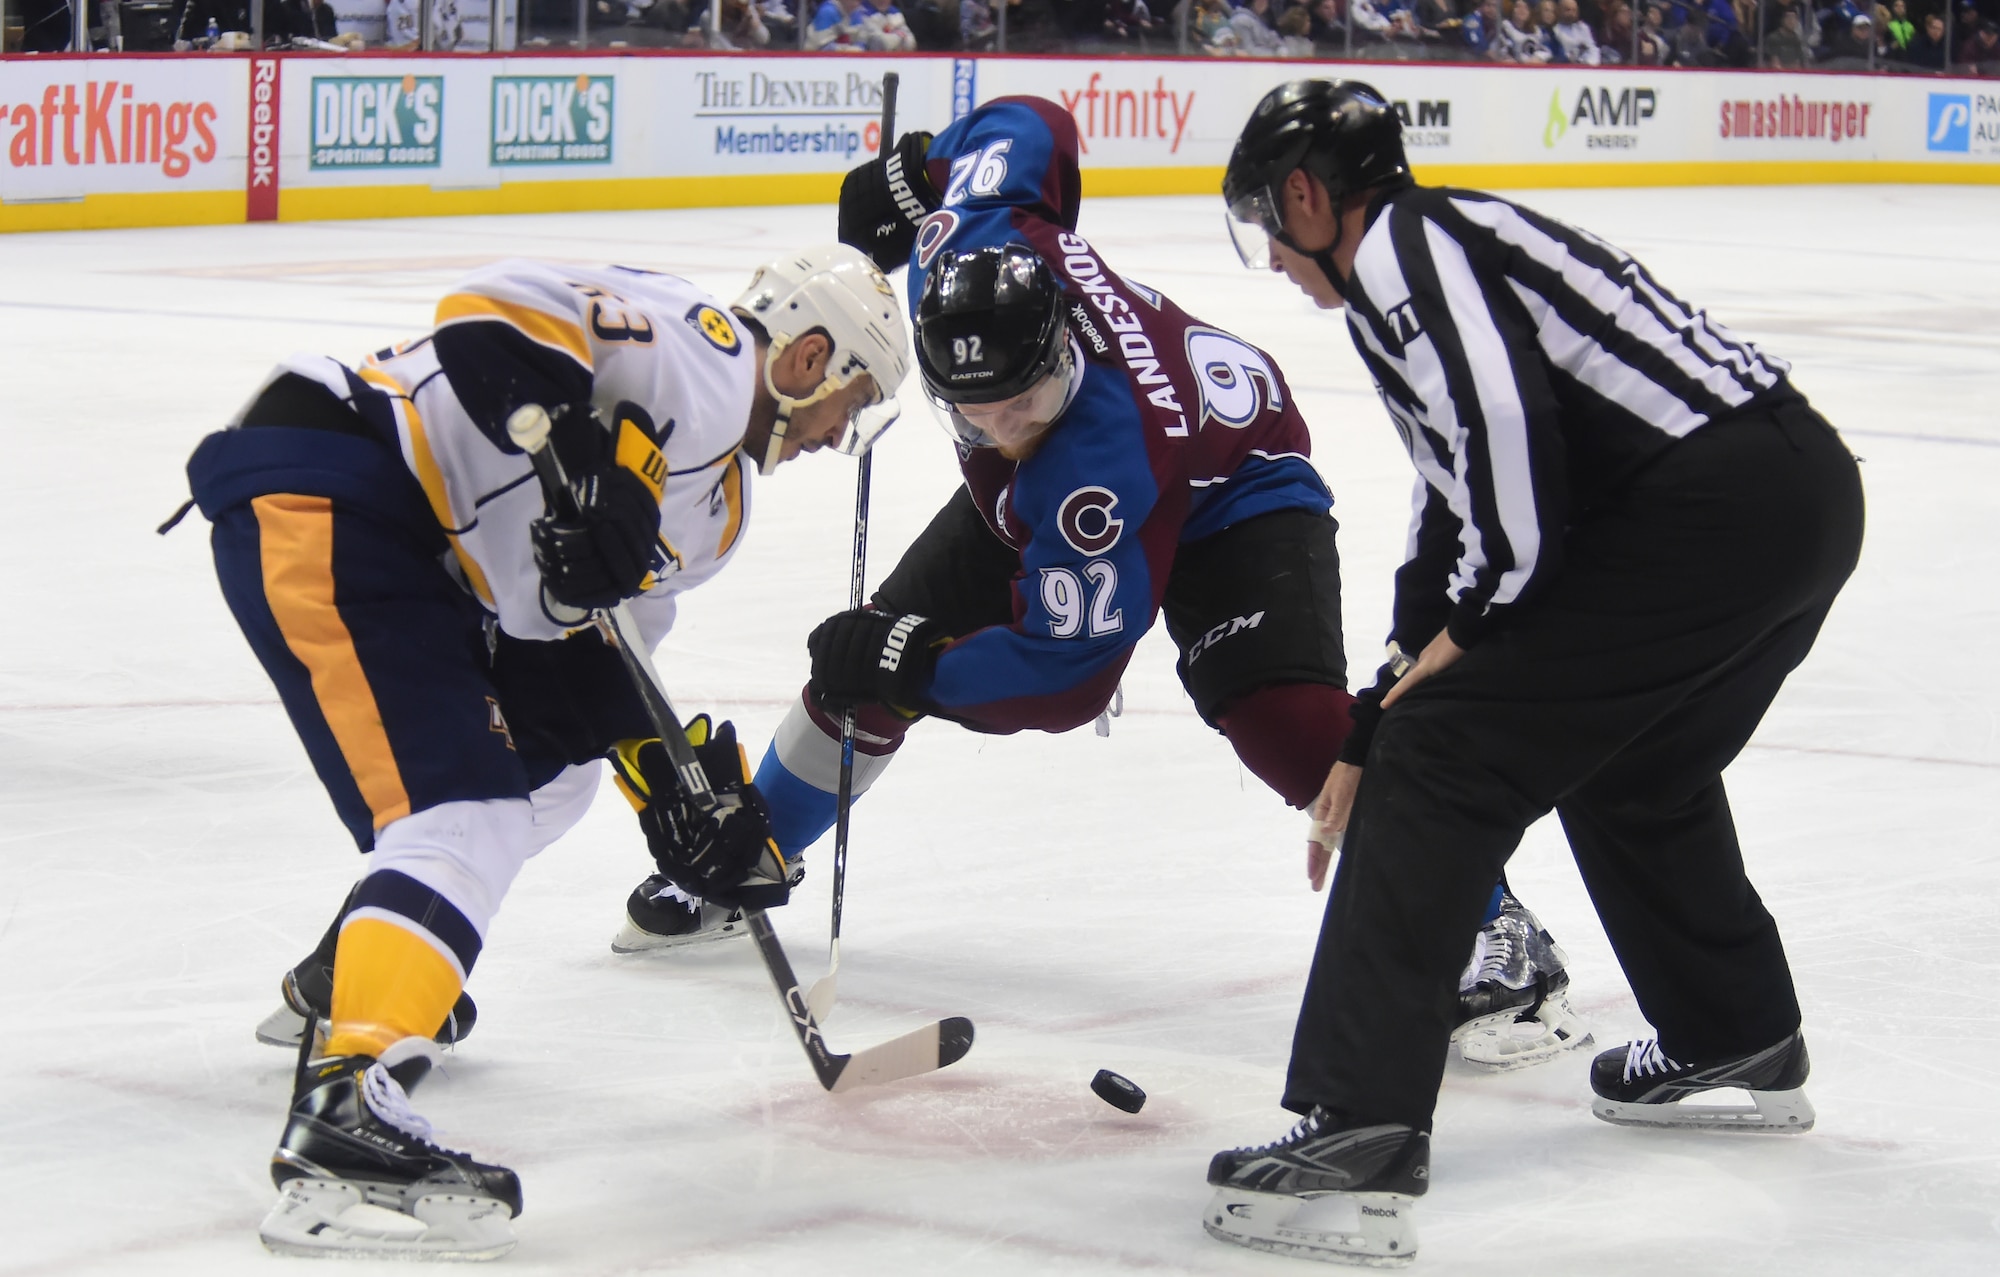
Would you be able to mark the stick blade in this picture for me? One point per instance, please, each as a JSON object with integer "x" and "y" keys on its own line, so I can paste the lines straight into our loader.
{"x": 925, "y": 1050}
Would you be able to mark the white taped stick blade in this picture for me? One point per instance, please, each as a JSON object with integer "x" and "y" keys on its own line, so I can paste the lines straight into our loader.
{"x": 935, "y": 1046}
{"x": 1769, "y": 1112}
{"x": 321, "y": 1217}
{"x": 1374, "y": 1230}
{"x": 1515, "y": 1039}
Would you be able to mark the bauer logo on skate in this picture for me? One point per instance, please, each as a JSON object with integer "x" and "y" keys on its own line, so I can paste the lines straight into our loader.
{"x": 104, "y": 122}
{"x": 376, "y": 121}
{"x": 1148, "y": 113}
{"x": 546, "y": 119}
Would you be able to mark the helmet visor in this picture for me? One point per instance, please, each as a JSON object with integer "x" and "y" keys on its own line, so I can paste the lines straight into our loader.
{"x": 1253, "y": 223}
{"x": 1015, "y": 421}
{"x": 866, "y": 423}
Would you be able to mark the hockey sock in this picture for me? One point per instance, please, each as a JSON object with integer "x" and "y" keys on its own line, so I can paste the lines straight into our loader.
{"x": 1493, "y": 905}
{"x": 403, "y": 957}
{"x": 800, "y": 773}
{"x": 1289, "y": 734}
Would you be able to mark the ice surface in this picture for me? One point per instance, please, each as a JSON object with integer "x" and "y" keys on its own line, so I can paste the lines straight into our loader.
{"x": 1136, "y": 902}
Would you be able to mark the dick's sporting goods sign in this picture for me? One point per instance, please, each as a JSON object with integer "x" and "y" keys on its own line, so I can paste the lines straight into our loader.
{"x": 546, "y": 119}
{"x": 376, "y": 121}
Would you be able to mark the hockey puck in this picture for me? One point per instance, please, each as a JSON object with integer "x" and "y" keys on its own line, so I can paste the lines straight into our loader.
{"x": 1118, "y": 1091}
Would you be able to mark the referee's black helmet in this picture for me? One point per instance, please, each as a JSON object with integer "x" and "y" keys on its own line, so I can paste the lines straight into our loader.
{"x": 1342, "y": 132}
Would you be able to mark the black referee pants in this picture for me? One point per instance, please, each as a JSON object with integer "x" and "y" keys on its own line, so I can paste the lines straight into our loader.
{"x": 1616, "y": 698}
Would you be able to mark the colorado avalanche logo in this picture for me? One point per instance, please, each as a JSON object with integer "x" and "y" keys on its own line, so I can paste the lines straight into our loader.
{"x": 937, "y": 228}
{"x": 1086, "y": 522}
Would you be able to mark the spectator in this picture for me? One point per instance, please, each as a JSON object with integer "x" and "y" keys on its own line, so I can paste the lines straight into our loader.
{"x": 976, "y": 28}
{"x": 1295, "y": 33}
{"x": 884, "y": 29}
{"x": 1688, "y": 46}
{"x": 1371, "y": 20}
{"x": 1898, "y": 32}
{"x": 1616, "y": 43}
{"x": 1437, "y": 19}
{"x": 1254, "y": 34}
{"x": 836, "y": 27}
{"x": 1654, "y": 45}
{"x": 1210, "y": 26}
{"x": 1482, "y": 31}
{"x": 1578, "y": 45}
{"x": 1785, "y": 48}
{"x": 742, "y": 28}
{"x": 1852, "y": 42}
{"x": 1983, "y": 49}
{"x": 1521, "y": 37}
{"x": 1125, "y": 18}
{"x": 1329, "y": 26}
{"x": 1927, "y": 47}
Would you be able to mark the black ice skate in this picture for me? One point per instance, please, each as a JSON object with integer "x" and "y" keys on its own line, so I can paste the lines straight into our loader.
{"x": 358, "y": 1174}
{"x": 659, "y": 915}
{"x": 307, "y": 991}
{"x": 1638, "y": 1085}
{"x": 1513, "y": 1003}
{"x": 1329, "y": 1190}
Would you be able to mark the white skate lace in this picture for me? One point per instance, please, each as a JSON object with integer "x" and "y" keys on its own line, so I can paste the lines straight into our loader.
{"x": 388, "y": 1101}
{"x": 1492, "y": 956}
{"x": 1643, "y": 1059}
{"x": 672, "y": 892}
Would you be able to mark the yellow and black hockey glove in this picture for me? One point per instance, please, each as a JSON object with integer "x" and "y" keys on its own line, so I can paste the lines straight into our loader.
{"x": 883, "y": 201}
{"x": 727, "y": 854}
{"x": 607, "y": 548}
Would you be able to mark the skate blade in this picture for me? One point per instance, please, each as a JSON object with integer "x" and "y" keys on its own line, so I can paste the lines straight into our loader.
{"x": 632, "y": 938}
{"x": 1508, "y": 1040}
{"x": 283, "y": 1027}
{"x": 317, "y": 1218}
{"x": 1769, "y": 1112}
{"x": 1370, "y": 1230}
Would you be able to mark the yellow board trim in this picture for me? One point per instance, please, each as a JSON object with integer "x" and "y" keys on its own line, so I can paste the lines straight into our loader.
{"x": 430, "y": 476}
{"x": 1208, "y": 181}
{"x": 333, "y": 203}
{"x": 389, "y": 983}
{"x": 297, "y": 553}
{"x": 538, "y": 326}
{"x": 123, "y": 210}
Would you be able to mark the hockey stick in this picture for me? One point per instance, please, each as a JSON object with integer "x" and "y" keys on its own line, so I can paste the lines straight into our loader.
{"x": 921, "y": 1051}
{"x": 820, "y": 997}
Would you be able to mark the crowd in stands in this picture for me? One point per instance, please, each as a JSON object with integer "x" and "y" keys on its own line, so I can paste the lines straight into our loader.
{"x": 1839, "y": 34}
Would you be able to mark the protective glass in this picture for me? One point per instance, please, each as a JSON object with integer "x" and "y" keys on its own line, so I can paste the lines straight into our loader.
{"x": 1011, "y": 423}
{"x": 1253, "y": 222}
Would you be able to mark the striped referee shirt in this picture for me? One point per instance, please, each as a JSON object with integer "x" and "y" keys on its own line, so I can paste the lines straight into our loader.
{"x": 1531, "y": 370}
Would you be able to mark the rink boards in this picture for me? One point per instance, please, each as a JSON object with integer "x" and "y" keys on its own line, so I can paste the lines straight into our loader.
{"x": 150, "y": 141}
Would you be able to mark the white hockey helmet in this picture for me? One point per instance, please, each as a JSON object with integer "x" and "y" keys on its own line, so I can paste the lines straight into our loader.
{"x": 837, "y": 291}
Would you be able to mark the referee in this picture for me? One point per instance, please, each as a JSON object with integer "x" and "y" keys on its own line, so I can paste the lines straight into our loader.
{"x": 1629, "y": 528}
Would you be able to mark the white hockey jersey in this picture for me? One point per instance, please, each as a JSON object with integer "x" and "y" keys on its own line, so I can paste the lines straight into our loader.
{"x": 654, "y": 340}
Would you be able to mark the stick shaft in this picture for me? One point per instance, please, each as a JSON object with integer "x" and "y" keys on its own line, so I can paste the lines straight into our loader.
{"x": 856, "y": 596}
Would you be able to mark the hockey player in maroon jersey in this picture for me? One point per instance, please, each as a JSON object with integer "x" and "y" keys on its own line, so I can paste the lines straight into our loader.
{"x": 1121, "y": 459}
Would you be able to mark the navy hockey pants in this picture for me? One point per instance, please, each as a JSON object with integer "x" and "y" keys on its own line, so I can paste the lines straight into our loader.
{"x": 1616, "y": 699}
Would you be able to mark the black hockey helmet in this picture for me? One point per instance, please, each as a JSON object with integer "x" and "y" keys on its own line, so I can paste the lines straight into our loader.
{"x": 1343, "y": 132}
{"x": 990, "y": 324}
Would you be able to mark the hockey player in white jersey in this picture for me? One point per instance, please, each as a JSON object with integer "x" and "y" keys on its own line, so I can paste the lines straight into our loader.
{"x": 384, "y": 547}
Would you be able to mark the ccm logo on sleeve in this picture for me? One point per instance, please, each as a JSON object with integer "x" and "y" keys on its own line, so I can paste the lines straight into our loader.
{"x": 1086, "y": 522}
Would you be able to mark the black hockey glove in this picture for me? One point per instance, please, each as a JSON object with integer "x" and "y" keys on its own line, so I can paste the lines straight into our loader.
{"x": 867, "y": 656}
{"x": 604, "y": 551}
{"x": 726, "y": 855}
{"x": 883, "y": 201}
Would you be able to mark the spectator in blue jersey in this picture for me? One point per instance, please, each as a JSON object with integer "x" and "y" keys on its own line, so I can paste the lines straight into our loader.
{"x": 836, "y": 26}
{"x": 1482, "y": 30}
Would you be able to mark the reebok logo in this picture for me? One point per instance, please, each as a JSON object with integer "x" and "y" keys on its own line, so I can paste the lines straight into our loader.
{"x": 1380, "y": 1212}
{"x": 899, "y": 637}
